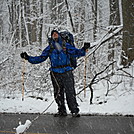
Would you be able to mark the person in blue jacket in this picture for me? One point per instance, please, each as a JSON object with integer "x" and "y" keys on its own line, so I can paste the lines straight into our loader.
{"x": 60, "y": 71}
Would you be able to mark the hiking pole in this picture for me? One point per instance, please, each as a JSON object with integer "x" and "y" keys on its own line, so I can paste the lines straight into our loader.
{"x": 23, "y": 73}
{"x": 85, "y": 68}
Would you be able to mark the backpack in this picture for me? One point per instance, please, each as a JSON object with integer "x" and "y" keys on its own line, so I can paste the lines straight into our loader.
{"x": 67, "y": 37}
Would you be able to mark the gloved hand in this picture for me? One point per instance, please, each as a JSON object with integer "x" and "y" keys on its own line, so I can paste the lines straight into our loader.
{"x": 86, "y": 45}
{"x": 24, "y": 55}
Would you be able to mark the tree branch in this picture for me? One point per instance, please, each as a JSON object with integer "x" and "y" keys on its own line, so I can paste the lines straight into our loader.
{"x": 129, "y": 75}
{"x": 4, "y": 60}
{"x": 103, "y": 40}
{"x": 92, "y": 81}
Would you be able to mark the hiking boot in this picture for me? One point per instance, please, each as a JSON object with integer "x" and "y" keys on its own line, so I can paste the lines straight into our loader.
{"x": 60, "y": 114}
{"x": 75, "y": 115}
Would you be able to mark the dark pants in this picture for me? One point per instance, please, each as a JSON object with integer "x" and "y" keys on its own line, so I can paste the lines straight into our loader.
{"x": 64, "y": 83}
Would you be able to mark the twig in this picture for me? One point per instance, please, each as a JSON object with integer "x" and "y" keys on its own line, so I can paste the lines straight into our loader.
{"x": 112, "y": 88}
{"x": 129, "y": 75}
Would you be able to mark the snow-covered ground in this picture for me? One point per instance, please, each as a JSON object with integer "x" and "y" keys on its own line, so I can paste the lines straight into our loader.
{"x": 121, "y": 105}
{"x": 119, "y": 101}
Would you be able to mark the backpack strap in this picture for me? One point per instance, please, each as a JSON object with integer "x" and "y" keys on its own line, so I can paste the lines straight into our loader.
{"x": 64, "y": 45}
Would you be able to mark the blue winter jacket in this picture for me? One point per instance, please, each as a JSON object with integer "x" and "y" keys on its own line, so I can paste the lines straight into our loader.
{"x": 58, "y": 58}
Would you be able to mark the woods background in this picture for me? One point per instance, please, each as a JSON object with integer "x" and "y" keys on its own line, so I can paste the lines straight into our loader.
{"x": 25, "y": 24}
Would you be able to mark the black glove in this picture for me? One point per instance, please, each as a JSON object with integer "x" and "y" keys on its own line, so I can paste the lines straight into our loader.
{"x": 86, "y": 45}
{"x": 24, "y": 55}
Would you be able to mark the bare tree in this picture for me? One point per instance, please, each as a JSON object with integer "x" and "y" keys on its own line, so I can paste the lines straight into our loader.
{"x": 94, "y": 10}
{"x": 114, "y": 12}
{"x": 114, "y": 20}
{"x": 70, "y": 16}
{"x": 40, "y": 21}
{"x": 128, "y": 32}
{"x": 14, "y": 13}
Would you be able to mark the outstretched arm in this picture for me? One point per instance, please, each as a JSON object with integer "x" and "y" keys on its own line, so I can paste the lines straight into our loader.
{"x": 37, "y": 59}
{"x": 75, "y": 52}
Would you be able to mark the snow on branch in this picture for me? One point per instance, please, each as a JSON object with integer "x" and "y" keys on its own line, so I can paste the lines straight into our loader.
{"x": 3, "y": 61}
{"x": 96, "y": 45}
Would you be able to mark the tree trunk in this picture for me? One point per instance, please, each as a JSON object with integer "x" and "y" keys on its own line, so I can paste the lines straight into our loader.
{"x": 34, "y": 22}
{"x": 114, "y": 12}
{"x": 128, "y": 32}
{"x": 113, "y": 20}
{"x": 70, "y": 16}
{"x": 14, "y": 19}
{"x": 27, "y": 14}
{"x": 41, "y": 22}
{"x": 94, "y": 10}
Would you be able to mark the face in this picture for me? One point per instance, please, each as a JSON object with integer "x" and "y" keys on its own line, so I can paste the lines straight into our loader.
{"x": 55, "y": 35}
